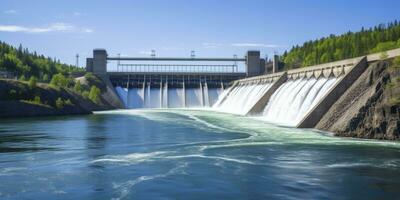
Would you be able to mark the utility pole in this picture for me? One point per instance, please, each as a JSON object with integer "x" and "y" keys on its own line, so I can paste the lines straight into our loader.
{"x": 77, "y": 60}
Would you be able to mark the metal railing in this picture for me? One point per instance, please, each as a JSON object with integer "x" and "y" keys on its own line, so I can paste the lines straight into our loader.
{"x": 175, "y": 68}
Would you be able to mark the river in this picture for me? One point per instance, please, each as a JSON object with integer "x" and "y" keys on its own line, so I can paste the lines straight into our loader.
{"x": 188, "y": 154}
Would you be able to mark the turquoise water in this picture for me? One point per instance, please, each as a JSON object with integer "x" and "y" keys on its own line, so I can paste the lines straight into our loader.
{"x": 181, "y": 154}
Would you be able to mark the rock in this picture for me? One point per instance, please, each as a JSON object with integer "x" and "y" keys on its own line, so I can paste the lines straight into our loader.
{"x": 364, "y": 109}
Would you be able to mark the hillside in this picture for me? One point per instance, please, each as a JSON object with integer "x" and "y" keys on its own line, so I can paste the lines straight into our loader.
{"x": 348, "y": 45}
{"x": 24, "y": 99}
{"x": 39, "y": 86}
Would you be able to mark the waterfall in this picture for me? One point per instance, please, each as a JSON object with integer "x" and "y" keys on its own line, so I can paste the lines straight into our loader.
{"x": 241, "y": 98}
{"x": 169, "y": 96}
{"x": 213, "y": 94}
{"x": 123, "y": 95}
{"x": 193, "y": 97}
{"x": 175, "y": 97}
{"x": 293, "y": 99}
{"x": 135, "y": 98}
{"x": 152, "y": 97}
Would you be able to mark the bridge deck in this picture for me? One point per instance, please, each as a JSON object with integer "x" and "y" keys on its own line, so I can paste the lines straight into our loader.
{"x": 175, "y": 59}
{"x": 175, "y": 68}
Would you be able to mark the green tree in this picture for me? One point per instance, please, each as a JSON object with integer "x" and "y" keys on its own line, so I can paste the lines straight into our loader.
{"x": 22, "y": 78}
{"x": 59, "y": 103}
{"x": 21, "y": 61}
{"x": 32, "y": 82}
{"x": 94, "y": 94}
{"x": 78, "y": 87}
{"x": 59, "y": 80}
{"x": 45, "y": 78}
{"x": 37, "y": 100}
{"x": 337, "y": 47}
{"x": 384, "y": 46}
{"x": 396, "y": 61}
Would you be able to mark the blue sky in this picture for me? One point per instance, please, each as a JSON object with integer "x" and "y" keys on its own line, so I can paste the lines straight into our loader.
{"x": 219, "y": 28}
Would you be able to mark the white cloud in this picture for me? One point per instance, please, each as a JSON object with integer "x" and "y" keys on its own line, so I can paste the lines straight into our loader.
{"x": 55, "y": 27}
{"x": 77, "y": 14}
{"x": 256, "y": 45}
{"x": 10, "y": 12}
{"x": 88, "y": 30}
{"x": 211, "y": 45}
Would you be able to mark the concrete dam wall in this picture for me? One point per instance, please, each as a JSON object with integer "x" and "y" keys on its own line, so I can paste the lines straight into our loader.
{"x": 298, "y": 97}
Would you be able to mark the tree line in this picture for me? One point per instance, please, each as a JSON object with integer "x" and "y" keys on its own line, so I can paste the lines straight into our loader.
{"x": 31, "y": 67}
{"x": 351, "y": 44}
{"x": 24, "y": 64}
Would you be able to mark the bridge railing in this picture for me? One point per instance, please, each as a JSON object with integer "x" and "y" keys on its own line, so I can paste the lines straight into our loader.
{"x": 174, "y": 68}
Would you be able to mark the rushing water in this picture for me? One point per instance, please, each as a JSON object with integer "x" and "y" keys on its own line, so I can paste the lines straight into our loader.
{"x": 178, "y": 154}
{"x": 169, "y": 97}
{"x": 241, "y": 99}
{"x": 293, "y": 99}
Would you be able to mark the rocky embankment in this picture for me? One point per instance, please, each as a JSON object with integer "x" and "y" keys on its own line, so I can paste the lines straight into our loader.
{"x": 370, "y": 108}
{"x": 18, "y": 99}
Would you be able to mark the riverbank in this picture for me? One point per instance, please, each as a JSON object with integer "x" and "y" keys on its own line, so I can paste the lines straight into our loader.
{"x": 20, "y": 99}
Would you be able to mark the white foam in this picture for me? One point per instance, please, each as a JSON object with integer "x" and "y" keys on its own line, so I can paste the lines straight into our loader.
{"x": 241, "y": 98}
{"x": 125, "y": 188}
{"x": 132, "y": 158}
{"x": 295, "y": 98}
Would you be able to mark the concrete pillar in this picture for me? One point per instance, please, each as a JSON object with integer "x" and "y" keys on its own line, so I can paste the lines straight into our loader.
{"x": 184, "y": 93}
{"x": 99, "y": 62}
{"x": 89, "y": 64}
{"x": 166, "y": 94}
{"x": 263, "y": 70}
{"x": 206, "y": 94}
{"x": 144, "y": 94}
{"x": 202, "y": 95}
{"x": 253, "y": 63}
{"x": 127, "y": 92}
{"x": 161, "y": 95}
{"x": 275, "y": 64}
{"x": 148, "y": 98}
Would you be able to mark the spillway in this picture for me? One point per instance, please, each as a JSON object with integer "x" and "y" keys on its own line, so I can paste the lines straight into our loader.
{"x": 169, "y": 95}
{"x": 241, "y": 98}
{"x": 298, "y": 97}
{"x": 293, "y": 99}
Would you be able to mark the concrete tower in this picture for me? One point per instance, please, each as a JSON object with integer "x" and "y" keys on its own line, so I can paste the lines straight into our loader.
{"x": 275, "y": 64}
{"x": 253, "y": 63}
{"x": 99, "y": 66}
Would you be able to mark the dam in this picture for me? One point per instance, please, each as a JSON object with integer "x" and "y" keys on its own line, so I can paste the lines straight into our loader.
{"x": 296, "y": 98}
{"x": 167, "y": 82}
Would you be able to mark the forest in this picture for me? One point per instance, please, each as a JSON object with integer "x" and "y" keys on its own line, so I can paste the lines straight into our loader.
{"x": 24, "y": 64}
{"x": 351, "y": 44}
{"x": 29, "y": 67}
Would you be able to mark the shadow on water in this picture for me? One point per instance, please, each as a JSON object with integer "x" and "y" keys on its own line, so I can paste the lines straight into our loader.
{"x": 22, "y": 143}
{"x": 14, "y": 136}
